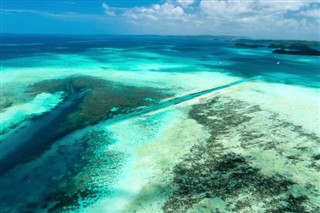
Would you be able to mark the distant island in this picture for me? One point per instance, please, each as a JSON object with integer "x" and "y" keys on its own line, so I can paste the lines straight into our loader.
{"x": 309, "y": 51}
{"x": 283, "y": 47}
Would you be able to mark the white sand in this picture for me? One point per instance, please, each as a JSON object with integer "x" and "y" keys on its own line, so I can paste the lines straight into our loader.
{"x": 297, "y": 105}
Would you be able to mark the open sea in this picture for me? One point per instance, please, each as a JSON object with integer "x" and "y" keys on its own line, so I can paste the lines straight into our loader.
{"x": 157, "y": 124}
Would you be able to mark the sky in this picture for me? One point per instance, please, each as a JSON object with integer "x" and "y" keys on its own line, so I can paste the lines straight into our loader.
{"x": 274, "y": 19}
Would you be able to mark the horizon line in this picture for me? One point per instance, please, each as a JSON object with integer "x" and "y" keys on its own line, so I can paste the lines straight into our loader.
{"x": 155, "y": 35}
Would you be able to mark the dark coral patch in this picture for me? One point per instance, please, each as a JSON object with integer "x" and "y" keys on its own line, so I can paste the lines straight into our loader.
{"x": 227, "y": 177}
{"x": 88, "y": 101}
{"x": 102, "y": 100}
{"x": 213, "y": 170}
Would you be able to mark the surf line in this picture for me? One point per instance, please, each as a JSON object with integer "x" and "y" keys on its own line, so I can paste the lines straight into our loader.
{"x": 177, "y": 100}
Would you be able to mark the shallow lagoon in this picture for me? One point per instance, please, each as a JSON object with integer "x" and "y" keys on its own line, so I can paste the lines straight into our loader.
{"x": 252, "y": 147}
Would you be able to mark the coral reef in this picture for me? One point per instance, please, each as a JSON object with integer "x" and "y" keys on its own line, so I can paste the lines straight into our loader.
{"x": 92, "y": 180}
{"x": 246, "y": 164}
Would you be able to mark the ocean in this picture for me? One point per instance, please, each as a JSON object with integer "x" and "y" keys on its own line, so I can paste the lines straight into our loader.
{"x": 157, "y": 124}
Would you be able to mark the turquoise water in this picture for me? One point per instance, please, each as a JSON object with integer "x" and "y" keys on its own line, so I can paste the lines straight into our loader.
{"x": 154, "y": 53}
{"x": 49, "y": 152}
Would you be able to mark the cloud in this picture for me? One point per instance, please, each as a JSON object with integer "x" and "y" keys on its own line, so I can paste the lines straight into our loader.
{"x": 185, "y": 3}
{"x": 108, "y": 10}
{"x": 259, "y": 18}
{"x": 292, "y": 19}
{"x": 166, "y": 12}
{"x": 62, "y": 15}
{"x": 283, "y": 5}
{"x": 11, "y": 11}
{"x": 313, "y": 13}
{"x": 69, "y": 2}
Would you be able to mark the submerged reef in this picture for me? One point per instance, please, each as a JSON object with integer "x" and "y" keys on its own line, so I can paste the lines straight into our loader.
{"x": 5, "y": 103}
{"x": 243, "y": 159}
{"x": 78, "y": 143}
{"x": 92, "y": 181}
{"x": 103, "y": 99}
{"x": 252, "y": 162}
{"x": 91, "y": 100}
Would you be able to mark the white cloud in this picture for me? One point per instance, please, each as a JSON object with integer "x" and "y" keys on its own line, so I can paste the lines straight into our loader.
{"x": 56, "y": 15}
{"x": 108, "y": 10}
{"x": 312, "y": 13}
{"x": 283, "y": 5}
{"x": 69, "y": 2}
{"x": 259, "y": 18}
{"x": 185, "y": 3}
{"x": 230, "y": 17}
{"x": 315, "y": 13}
{"x": 213, "y": 8}
{"x": 156, "y": 12}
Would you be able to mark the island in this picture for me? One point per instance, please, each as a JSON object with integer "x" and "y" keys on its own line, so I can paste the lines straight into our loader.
{"x": 306, "y": 51}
